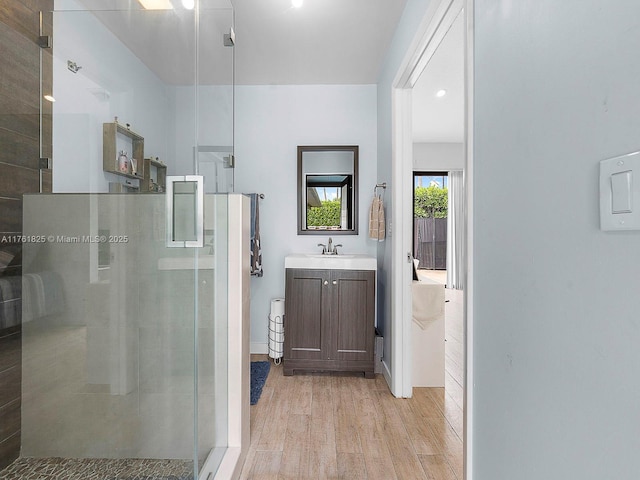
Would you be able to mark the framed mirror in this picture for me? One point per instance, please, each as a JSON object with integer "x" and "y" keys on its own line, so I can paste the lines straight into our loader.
{"x": 328, "y": 190}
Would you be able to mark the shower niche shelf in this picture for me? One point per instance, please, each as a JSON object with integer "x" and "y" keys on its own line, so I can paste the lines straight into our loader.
{"x": 114, "y": 136}
{"x": 155, "y": 176}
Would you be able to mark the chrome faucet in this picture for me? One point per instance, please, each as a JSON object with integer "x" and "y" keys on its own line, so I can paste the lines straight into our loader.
{"x": 329, "y": 248}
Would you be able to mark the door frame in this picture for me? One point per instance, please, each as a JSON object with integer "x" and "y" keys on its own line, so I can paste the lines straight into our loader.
{"x": 438, "y": 18}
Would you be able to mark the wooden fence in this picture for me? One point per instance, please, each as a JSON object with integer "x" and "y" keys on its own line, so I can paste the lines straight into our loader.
{"x": 430, "y": 242}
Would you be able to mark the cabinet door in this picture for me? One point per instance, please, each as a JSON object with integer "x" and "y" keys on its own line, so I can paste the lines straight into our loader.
{"x": 352, "y": 315}
{"x": 306, "y": 313}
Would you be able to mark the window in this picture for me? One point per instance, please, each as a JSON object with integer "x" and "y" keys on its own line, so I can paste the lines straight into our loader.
{"x": 430, "y": 211}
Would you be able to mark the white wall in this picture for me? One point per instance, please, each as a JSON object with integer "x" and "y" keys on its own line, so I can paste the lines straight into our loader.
{"x": 407, "y": 27}
{"x": 112, "y": 82}
{"x": 557, "y": 310}
{"x": 438, "y": 157}
{"x": 215, "y": 122}
{"x": 271, "y": 121}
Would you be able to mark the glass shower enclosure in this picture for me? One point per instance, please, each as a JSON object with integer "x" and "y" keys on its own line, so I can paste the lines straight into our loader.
{"x": 125, "y": 340}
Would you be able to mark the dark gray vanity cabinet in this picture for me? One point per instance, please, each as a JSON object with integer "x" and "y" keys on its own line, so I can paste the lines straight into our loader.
{"x": 329, "y": 320}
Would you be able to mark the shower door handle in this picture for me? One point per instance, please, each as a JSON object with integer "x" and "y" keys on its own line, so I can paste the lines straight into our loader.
{"x": 185, "y": 211}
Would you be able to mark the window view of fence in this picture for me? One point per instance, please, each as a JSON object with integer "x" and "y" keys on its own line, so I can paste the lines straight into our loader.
{"x": 430, "y": 220}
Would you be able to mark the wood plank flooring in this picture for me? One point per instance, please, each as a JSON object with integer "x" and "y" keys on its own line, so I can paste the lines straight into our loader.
{"x": 348, "y": 427}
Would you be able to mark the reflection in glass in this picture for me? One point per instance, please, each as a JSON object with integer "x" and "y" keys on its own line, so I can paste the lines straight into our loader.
{"x": 329, "y": 202}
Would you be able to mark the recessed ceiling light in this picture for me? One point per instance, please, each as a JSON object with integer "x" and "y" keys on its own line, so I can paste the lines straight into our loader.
{"x": 49, "y": 98}
{"x": 441, "y": 93}
{"x": 296, "y": 3}
{"x": 156, "y": 4}
{"x": 189, "y": 4}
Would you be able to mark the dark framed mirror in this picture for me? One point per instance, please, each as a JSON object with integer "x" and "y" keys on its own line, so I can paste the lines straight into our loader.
{"x": 328, "y": 190}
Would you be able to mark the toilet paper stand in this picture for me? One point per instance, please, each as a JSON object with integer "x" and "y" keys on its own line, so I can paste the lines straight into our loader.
{"x": 276, "y": 330}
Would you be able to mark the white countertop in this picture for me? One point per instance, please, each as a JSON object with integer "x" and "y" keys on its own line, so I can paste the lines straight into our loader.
{"x": 331, "y": 262}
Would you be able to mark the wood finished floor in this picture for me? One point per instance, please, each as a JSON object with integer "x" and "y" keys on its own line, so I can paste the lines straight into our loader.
{"x": 348, "y": 427}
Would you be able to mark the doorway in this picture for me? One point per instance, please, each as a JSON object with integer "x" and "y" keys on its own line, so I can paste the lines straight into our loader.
{"x": 410, "y": 155}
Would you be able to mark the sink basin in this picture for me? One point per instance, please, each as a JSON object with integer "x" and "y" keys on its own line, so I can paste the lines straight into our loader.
{"x": 320, "y": 255}
{"x": 330, "y": 262}
{"x": 205, "y": 262}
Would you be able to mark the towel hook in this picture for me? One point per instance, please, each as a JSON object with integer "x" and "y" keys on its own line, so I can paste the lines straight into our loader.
{"x": 379, "y": 185}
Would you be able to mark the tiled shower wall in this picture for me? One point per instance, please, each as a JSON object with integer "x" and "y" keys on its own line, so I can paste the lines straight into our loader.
{"x": 20, "y": 129}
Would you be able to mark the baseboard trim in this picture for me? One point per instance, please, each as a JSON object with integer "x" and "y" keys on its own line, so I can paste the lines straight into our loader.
{"x": 386, "y": 373}
{"x": 258, "y": 348}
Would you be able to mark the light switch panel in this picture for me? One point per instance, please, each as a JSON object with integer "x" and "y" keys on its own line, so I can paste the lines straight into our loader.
{"x": 620, "y": 193}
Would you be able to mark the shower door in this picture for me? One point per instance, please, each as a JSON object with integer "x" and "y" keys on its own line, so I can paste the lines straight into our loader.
{"x": 125, "y": 263}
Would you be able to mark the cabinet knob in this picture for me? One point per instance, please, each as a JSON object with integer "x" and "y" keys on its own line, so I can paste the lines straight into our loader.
{"x": 326, "y": 282}
{"x": 335, "y": 282}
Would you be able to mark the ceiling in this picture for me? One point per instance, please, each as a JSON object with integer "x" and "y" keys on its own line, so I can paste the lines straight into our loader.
{"x": 323, "y": 42}
{"x": 441, "y": 120}
{"x": 339, "y": 42}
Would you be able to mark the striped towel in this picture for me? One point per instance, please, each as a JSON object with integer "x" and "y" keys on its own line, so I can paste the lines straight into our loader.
{"x": 376, "y": 219}
{"x": 255, "y": 250}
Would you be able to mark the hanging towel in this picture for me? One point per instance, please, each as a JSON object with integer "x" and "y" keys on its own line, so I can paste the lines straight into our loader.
{"x": 428, "y": 301}
{"x": 376, "y": 219}
{"x": 42, "y": 294}
{"x": 381, "y": 229}
{"x": 254, "y": 249}
{"x": 373, "y": 218}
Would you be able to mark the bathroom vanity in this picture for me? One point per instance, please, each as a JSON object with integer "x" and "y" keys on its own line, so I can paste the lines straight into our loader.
{"x": 329, "y": 313}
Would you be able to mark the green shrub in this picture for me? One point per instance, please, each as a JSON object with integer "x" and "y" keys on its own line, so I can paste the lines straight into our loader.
{"x": 328, "y": 215}
{"x": 430, "y": 201}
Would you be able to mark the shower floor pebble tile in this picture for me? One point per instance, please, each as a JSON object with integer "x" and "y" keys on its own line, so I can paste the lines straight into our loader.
{"x": 97, "y": 469}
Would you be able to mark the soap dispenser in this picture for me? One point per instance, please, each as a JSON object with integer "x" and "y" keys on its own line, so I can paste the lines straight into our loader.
{"x": 123, "y": 162}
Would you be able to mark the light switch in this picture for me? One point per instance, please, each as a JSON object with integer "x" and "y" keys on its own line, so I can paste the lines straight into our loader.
{"x": 621, "y": 192}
